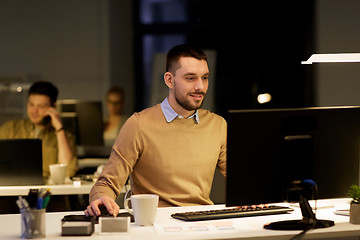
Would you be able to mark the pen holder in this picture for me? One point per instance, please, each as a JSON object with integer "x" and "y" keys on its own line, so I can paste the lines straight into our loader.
{"x": 32, "y": 223}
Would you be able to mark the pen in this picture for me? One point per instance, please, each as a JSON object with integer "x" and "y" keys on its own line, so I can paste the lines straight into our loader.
{"x": 46, "y": 193}
{"x": 40, "y": 203}
{"x": 22, "y": 203}
{"x": 46, "y": 201}
{"x": 32, "y": 198}
{"x": 36, "y": 199}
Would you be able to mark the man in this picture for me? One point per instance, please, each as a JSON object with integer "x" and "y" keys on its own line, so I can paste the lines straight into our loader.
{"x": 171, "y": 149}
{"x": 44, "y": 122}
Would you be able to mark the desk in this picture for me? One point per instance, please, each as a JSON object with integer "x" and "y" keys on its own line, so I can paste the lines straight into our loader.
{"x": 62, "y": 189}
{"x": 91, "y": 162}
{"x": 248, "y": 228}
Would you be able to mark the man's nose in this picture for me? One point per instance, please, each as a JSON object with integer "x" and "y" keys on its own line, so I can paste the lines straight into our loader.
{"x": 35, "y": 109}
{"x": 199, "y": 85}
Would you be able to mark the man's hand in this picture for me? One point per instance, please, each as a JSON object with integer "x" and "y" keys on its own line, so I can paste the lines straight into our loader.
{"x": 55, "y": 118}
{"x": 110, "y": 204}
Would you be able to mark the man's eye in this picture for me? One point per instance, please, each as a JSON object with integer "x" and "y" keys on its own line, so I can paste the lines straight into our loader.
{"x": 43, "y": 106}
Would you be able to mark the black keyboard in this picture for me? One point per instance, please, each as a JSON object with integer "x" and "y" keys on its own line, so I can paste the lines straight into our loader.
{"x": 231, "y": 213}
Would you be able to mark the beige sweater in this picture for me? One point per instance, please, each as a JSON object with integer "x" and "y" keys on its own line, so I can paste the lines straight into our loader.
{"x": 175, "y": 160}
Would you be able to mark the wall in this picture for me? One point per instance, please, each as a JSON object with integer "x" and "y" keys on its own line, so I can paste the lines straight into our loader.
{"x": 68, "y": 43}
{"x": 337, "y": 31}
{"x": 121, "y": 49}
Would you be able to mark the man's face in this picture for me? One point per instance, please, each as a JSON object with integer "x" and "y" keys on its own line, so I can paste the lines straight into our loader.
{"x": 191, "y": 83}
{"x": 37, "y": 106}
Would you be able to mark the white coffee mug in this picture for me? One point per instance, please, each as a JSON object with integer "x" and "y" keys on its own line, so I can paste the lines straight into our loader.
{"x": 58, "y": 173}
{"x": 144, "y": 208}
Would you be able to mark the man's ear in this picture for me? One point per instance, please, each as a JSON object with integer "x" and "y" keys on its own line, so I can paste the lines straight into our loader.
{"x": 168, "y": 79}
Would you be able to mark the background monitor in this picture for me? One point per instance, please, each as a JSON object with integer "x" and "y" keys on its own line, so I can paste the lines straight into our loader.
{"x": 21, "y": 162}
{"x": 85, "y": 120}
{"x": 268, "y": 148}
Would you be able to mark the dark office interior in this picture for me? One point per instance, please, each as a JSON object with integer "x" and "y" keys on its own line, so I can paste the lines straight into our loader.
{"x": 291, "y": 132}
{"x": 86, "y": 46}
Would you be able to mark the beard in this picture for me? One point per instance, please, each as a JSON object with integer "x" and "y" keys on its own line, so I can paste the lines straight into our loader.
{"x": 185, "y": 103}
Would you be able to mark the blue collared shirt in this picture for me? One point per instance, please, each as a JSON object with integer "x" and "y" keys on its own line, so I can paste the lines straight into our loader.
{"x": 170, "y": 114}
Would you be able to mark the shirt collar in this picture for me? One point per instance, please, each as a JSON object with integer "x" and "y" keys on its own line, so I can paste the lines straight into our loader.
{"x": 170, "y": 114}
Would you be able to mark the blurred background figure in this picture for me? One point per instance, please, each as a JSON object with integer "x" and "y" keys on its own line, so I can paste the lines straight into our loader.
{"x": 115, "y": 100}
{"x": 43, "y": 122}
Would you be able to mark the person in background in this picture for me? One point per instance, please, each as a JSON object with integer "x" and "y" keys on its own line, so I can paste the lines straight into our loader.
{"x": 171, "y": 149}
{"x": 44, "y": 122}
{"x": 115, "y": 100}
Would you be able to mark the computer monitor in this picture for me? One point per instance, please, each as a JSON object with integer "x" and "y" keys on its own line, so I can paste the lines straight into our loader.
{"x": 84, "y": 120}
{"x": 21, "y": 162}
{"x": 266, "y": 149}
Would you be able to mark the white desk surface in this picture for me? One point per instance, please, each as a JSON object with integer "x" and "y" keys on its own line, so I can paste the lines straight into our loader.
{"x": 246, "y": 228}
{"x": 91, "y": 162}
{"x": 62, "y": 189}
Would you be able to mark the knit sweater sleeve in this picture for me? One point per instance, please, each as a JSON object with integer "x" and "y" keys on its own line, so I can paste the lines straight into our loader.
{"x": 124, "y": 154}
{"x": 222, "y": 156}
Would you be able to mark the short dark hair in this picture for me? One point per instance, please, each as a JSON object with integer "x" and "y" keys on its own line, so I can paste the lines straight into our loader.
{"x": 45, "y": 88}
{"x": 117, "y": 90}
{"x": 182, "y": 50}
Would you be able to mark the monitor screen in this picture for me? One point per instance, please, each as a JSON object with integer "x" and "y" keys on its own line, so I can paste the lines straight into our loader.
{"x": 84, "y": 120}
{"x": 267, "y": 149}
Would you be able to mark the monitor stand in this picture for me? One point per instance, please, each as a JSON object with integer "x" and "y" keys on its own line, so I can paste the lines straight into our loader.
{"x": 309, "y": 220}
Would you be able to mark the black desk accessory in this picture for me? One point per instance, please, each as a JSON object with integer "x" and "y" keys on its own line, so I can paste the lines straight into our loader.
{"x": 77, "y": 225}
